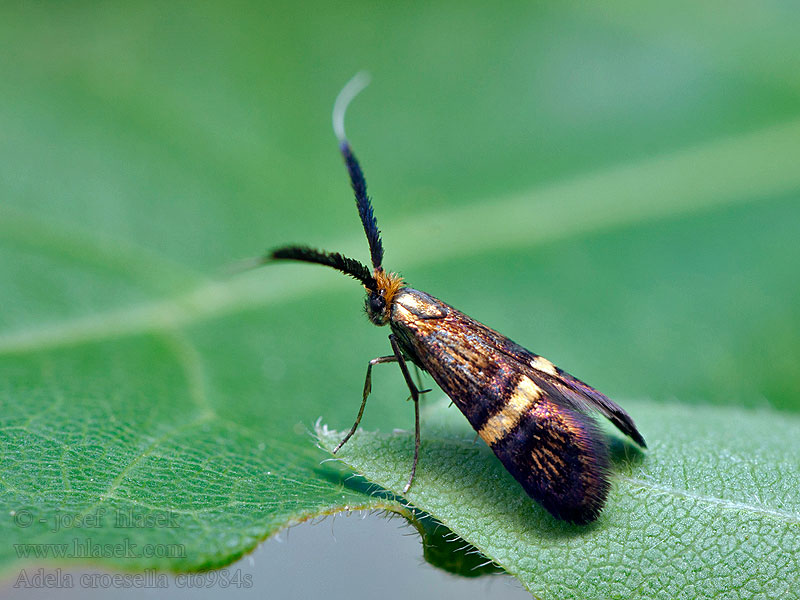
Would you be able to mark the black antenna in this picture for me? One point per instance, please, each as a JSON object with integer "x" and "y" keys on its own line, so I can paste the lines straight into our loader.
{"x": 338, "y": 261}
{"x": 350, "y": 91}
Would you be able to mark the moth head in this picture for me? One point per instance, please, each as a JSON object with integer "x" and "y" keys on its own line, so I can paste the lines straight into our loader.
{"x": 375, "y": 305}
{"x": 378, "y": 302}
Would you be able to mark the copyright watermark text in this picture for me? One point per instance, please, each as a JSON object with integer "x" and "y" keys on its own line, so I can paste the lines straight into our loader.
{"x": 99, "y": 517}
{"x": 58, "y": 578}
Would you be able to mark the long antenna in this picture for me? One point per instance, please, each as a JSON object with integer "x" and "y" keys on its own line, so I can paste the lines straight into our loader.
{"x": 350, "y": 90}
{"x": 348, "y": 266}
{"x": 359, "y": 184}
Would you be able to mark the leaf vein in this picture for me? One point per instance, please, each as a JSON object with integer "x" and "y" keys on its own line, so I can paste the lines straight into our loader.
{"x": 712, "y": 500}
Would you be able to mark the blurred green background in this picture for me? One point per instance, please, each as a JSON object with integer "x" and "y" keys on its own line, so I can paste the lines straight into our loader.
{"x": 614, "y": 186}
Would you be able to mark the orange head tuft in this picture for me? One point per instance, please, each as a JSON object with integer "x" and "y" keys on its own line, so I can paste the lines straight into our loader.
{"x": 379, "y": 301}
{"x": 388, "y": 284}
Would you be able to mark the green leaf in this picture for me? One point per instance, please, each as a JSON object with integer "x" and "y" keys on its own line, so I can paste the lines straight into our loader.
{"x": 696, "y": 516}
{"x": 615, "y": 188}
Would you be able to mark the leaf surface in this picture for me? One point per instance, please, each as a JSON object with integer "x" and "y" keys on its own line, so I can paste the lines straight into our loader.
{"x": 695, "y": 516}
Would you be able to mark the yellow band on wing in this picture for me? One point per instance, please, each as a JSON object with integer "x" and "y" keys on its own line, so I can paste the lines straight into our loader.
{"x": 525, "y": 397}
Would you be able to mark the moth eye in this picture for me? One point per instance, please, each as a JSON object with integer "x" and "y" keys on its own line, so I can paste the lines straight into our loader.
{"x": 376, "y": 303}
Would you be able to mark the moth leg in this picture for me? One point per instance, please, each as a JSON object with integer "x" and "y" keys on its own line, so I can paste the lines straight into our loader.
{"x": 416, "y": 445}
{"x": 367, "y": 390}
{"x": 415, "y": 397}
{"x": 418, "y": 377}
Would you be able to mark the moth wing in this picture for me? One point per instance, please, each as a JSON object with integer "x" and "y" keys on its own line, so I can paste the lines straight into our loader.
{"x": 581, "y": 393}
{"x": 557, "y": 453}
{"x": 568, "y": 388}
{"x": 528, "y": 411}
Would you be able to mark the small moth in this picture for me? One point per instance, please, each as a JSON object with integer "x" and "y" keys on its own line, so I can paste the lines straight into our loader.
{"x": 534, "y": 416}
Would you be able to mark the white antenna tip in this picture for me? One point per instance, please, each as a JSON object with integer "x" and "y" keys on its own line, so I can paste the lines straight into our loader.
{"x": 351, "y": 89}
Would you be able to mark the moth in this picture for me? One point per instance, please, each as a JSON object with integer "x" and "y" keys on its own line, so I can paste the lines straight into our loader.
{"x": 534, "y": 416}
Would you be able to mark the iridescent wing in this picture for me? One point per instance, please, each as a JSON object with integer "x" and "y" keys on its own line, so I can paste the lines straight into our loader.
{"x": 532, "y": 414}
